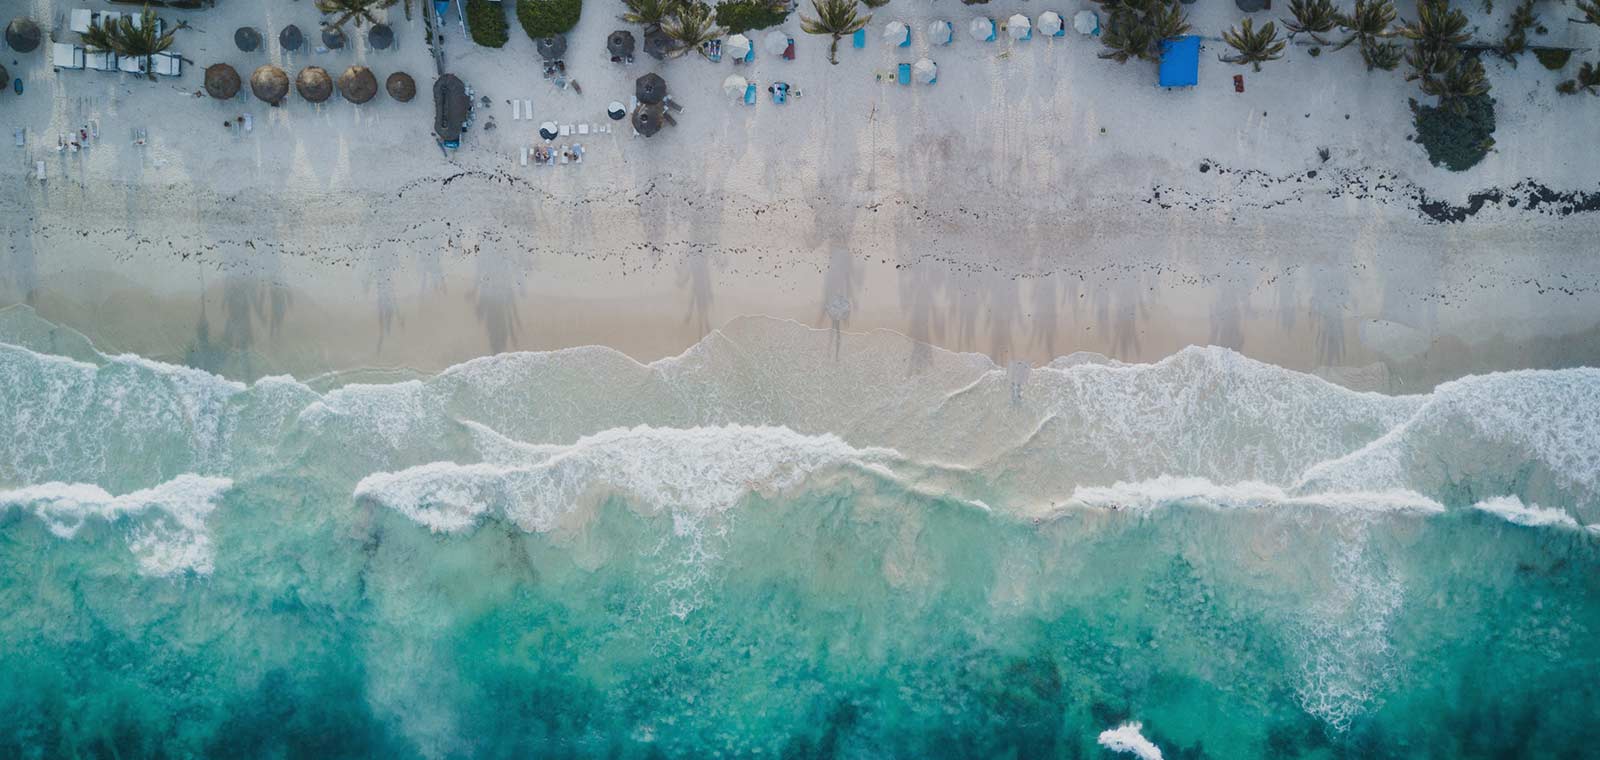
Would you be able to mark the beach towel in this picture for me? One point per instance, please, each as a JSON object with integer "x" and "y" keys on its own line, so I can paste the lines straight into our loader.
{"x": 859, "y": 39}
{"x": 904, "y": 77}
{"x": 750, "y": 94}
{"x": 788, "y": 52}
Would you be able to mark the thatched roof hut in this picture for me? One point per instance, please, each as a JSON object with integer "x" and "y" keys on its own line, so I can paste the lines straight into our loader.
{"x": 23, "y": 35}
{"x": 650, "y": 88}
{"x": 401, "y": 86}
{"x": 314, "y": 84}
{"x": 333, "y": 37}
{"x": 357, "y": 84}
{"x": 222, "y": 81}
{"x": 270, "y": 84}
{"x": 552, "y": 47}
{"x": 291, "y": 38}
{"x": 247, "y": 39}
{"x": 620, "y": 43}
{"x": 451, "y": 108}
{"x": 647, "y": 119}
{"x": 380, "y": 36}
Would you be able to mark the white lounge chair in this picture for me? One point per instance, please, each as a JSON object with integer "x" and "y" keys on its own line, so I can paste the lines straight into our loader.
{"x": 583, "y": 129}
{"x": 64, "y": 56}
{"x": 516, "y": 110}
{"x": 82, "y": 19}
{"x": 527, "y": 109}
{"x": 524, "y": 153}
{"x": 38, "y": 170}
{"x": 100, "y": 60}
{"x": 132, "y": 64}
{"x": 167, "y": 64}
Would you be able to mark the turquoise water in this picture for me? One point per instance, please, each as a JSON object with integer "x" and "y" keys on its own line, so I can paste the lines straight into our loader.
{"x": 783, "y": 544}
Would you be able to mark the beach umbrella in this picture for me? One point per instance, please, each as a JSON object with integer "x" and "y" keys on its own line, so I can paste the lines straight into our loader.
{"x": 1086, "y": 22}
{"x": 775, "y": 42}
{"x": 313, "y": 84}
{"x": 981, "y": 29}
{"x": 896, "y": 33}
{"x": 657, "y": 44}
{"x": 620, "y": 43}
{"x": 617, "y": 111}
{"x": 332, "y": 37}
{"x": 734, "y": 86}
{"x": 1018, "y": 27}
{"x": 650, "y": 88}
{"x": 291, "y": 38}
{"x": 401, "y": 86}
{"x": 939, "y": 32}
{"x": 1050, "y": 23}
{"x": 247, "y": 39}
{"x": 552, "y": 47}
{"x": 22, "y": 34}
{"x": 925, "y": 71}
{"x": 357, "y": 84}
{"x": 548, "y": 130}
{"x": 647, "y": 119}
{"x": 269, "y": 83}
{"x": 380, "y": 36}
{"x": 738, "y": 46}
{"x": 222, "y": 82}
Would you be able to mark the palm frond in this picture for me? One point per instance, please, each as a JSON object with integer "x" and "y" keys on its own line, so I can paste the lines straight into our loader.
{"x": 1312, "y": 17}
{"x": 1253, "y": 46}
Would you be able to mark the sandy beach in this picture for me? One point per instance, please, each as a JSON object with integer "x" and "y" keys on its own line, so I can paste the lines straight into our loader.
{"x": 1035, "y": 202}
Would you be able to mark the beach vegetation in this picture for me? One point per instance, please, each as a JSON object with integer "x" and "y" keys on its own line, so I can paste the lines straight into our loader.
{"x": 546, "y": 18}
{"x": 691, "y": 25}
{"x": 1253, "y": 46}
{"x": 1456, "y": 138}
{"x": 1516, "y": 40}
{"x": 356, "y": 11}
{"x": 487, "y": 23}
{"x": 740, "y": 16}
{"x": 1591, "y": 12}
{"x": 1457, "y": 85}
{"x": 1438, "y": 26}
{"x": 1136, "y": 28}
{"x": 1367, "y": 25}
{"x": 1313, "y": 18}
{"x": 120, "y": 36}
{"x": 647, "y": 13}
{"x": 1587, "y": 80}
{"x": 834, "y": 18}
{"x": 1553, "y": 59}
{"x": 1382, "y": 56}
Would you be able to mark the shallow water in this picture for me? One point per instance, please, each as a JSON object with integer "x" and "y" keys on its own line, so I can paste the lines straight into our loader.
{"x": 792, "y": 543}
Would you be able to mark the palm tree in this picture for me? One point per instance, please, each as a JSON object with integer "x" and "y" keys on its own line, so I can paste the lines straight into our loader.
{"x": 1465, "y": 81}
{"x": 1368, "y": 23}
{"x": 1255, "y": 46}
{"x": 1380, "y": 55}
{"x": 692, "y": 25}
{"x": 129, "y": 41}
{"x": 1438, "y": 26}
{"x": 1588, "y": 80}
{"x": 835, "y": 18}
{"x": 1137, "y": 28}
{"x": 1591, "y": 12}
{"x": 353, "y": 10}
{"x": 1312, "y": 17}
{"x": 648, "y": 13}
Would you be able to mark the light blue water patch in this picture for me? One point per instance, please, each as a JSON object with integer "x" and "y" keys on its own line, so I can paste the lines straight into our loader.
{"x": 779, "y": 546}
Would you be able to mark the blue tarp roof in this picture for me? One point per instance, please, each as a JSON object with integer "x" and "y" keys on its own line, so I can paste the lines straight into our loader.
{"x": 1180, "y": 61}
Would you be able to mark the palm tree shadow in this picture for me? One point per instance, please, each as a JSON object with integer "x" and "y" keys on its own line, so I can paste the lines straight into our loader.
{"x": 495, "y": 294}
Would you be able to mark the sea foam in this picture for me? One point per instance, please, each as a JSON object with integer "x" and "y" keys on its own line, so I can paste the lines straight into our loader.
{"x": 1129, "y": 738}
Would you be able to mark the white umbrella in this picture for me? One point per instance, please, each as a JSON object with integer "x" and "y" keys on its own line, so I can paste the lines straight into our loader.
{"x": 981, "y": 29}
{"x": 925, "y": 71}
{"x": 738, "y": 46}
{"x": 775, "y": 42}
{"x": 1085, "y": 22}
{"x": 735, "y": 86}
{"x": 895, "y": 33}
{"x": 547, "y": 130}
{"x": 1050, "y": 23}
{"x": 939, "y": 32}
{"x": 1018, "y": 26}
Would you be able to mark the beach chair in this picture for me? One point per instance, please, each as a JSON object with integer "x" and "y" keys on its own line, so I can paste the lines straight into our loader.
{"x": 20, "y": 136}
{"x": 750, "y": 56}
{"x": 132, "y": 65}
{"x": 750, "y": 95}
{"x": 64, "y": 56}
{"x": 99, "y": 60}
{"x": 859, "y": 39}
{"x": 516, "y": 110}
{"x": 583, "y": 129}
{"x": 38, "y": 170}
{"x": 904, "y": 75}
{"x": 577, "y": 153}
{"x": 82, "y": 19}
{"x": 524, "y": 150}
{"x": 167, "y": 64}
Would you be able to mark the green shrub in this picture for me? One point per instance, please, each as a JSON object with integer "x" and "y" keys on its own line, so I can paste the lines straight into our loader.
{"x": 1552, "y": 58}
{"x": 1456, "y": 140}
{"x": 542, "y": 18}
{"x": 740, "y": 16}
{"x": 487, "y": 23}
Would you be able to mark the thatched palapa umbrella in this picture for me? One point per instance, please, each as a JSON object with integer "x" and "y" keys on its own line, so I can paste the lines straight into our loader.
{"x": 650, "y": 88}
{"x": 269, "y": 83}
{"x": 620, "y": 43}
{"x": 380, "y": 36}
{"x": 22, "y": 34}
{"x": 401, "y": 86}
{"x": 222, "y": 82}
{"x": 332, "y": 37}
{"x": 647, "y": 119}
{"x": 658, "y": 44}
{"x": 357, "y": 84}
{"x": 247, "y": 39}
{"x": 314, "y": 84}
{"x": 552, "y": 47}
{"x": 291, "y": 38}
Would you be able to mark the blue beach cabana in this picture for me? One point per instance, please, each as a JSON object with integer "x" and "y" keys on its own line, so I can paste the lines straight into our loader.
{"x": 1180, "y": 61}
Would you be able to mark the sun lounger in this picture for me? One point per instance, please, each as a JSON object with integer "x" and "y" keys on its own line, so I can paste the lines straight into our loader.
{"x": 132, "y": 64}
{"x": 859, "y": 39}
{"x": 566, "y": 129}
{"x": 82, "y": 19}
{"x": 904, "y": 75}
{"x": 167, "y": 64}
{"x": 20, "y": 135}
{"x": 527, "y": 109}
{"x": 64, "y": 56}
{"x": 100, "y": 60}
{"x": 583, "y": 129}
{"x": 577, "y": 153}
{"x": 750, "y": 56}
{"x": 563, "y": 154}
{"x": 750, "y": 95}
{"x": 524, "y": 150}
{"x": 516, "y": 110}
{"x": 38, "y": 170}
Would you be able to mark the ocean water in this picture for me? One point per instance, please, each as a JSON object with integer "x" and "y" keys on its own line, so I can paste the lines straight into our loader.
{"x": 793, "y": 544}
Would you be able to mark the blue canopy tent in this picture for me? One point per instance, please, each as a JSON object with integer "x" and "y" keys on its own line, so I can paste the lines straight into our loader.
{"x": 1180, "y": 61}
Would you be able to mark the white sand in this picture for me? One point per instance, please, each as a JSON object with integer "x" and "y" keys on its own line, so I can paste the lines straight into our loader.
{"x": 989, "y": 212}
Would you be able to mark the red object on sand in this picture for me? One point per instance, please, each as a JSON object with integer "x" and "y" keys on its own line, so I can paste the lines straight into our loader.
{"x": 1238, "y": 83}
{"x": 788, "y": 52}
